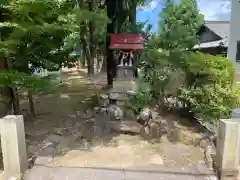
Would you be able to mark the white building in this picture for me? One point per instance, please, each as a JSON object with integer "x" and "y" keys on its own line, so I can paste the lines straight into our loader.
{"x": 234, "y": 36}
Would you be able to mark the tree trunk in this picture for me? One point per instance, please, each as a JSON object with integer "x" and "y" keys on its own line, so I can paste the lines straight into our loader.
{"x": 31, "y": 103}
{"x": 7, "y": 101}
{"x": 133, "y": 14}
{"x": 104, "y": 64}
{"x": 83, "y": 59}
{"x": 83, "y": 39}
{"x": 91, "y": 43}
{"x": 111, "y": 66}
{"x": 121, "y": 18}
{"x": 10, "y": 92}
{"x": 16, "y": 103}
{"x": 14, "y": 91}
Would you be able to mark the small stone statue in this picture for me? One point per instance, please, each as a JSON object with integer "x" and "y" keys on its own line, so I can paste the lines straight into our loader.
{"x": 115, "y": 112}
{"x": 145, "y": 116}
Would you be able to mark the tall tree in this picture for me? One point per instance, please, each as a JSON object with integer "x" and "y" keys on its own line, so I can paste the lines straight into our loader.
{"x": 111, "y": 13}
{"x": 179, "y": 24}
{"x": 91, "y": 8}
{"x": 32, "y": 38}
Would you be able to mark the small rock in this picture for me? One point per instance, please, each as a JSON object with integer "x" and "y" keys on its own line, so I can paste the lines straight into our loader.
{"x": 46, "y": 144}
{"x": 64, "y": 96}
{"x": 131, "y": 92}
{"x": 115, "y": 112}
{"x": 104, "y": 96}
{"x": 147, "y": 130}
{"x": 144, "y": 116}
{"x": 31, "y": 161}
{"x": 87, "y": 114}
{"x": 54, "y": 139}
{"x": 104, "y": 101}
{"x": 208, "y": 153}
{"x": 96, "y": 108}
{"x": 103, "y": 110}
{"x": 58, "y": 132}
{"x": 155, "y": 131}
{"x": 204, "y": 142}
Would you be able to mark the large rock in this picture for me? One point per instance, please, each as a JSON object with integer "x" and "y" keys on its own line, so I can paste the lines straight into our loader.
{"x": 145, "y": 116}
{"x": 125, "y": 126}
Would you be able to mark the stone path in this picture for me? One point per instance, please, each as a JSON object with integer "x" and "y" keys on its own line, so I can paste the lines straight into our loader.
{"x": 48, "y": 173}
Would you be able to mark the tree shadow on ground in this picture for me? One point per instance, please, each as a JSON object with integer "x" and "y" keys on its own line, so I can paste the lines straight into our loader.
{"x": 61, "y": 117}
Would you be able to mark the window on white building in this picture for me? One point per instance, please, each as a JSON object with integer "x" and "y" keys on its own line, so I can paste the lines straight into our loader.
{"x": 238, "y": 51}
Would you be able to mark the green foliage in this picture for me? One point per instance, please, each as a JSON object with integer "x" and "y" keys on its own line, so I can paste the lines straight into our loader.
{"x": 179, "y": 25}
{"x": 142, "y": 97}
{"x": 139, "y": 27}
{"x": 37, "y": 35}
{"x": 210, "y": 91}
{"x": 155, "y": 69}
{"x": 22, "y": 80}
{"x": 206, "y": 88}
{"x": 200, "y": 85}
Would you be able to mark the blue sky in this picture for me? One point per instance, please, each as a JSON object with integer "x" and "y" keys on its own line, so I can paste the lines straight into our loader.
{"x": 211, "y": 9}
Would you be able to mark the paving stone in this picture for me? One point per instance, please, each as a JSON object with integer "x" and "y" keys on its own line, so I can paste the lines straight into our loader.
{"x": 73, "y": 174}
{"x": 87, "y": 174}
{"x": 131, "y": 175}
{"x": 109, "y": 174}
{"x": 39, "y": 173}
{"x": 44, "y": 173}
{"x": 207, "y": 178}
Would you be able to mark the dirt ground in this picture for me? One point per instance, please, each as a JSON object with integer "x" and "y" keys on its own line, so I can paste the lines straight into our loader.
{"x": 53, "y": 108}
{"x": 122, "y": 150}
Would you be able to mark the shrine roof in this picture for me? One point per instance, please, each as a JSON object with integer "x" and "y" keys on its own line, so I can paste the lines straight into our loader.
{"x": 127, "y": 41}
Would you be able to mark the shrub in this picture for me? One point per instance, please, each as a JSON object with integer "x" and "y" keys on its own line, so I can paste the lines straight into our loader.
{"x": 210, "y": 92}
{"x": 141, "y": 98}
{"x": 201, "y": 85}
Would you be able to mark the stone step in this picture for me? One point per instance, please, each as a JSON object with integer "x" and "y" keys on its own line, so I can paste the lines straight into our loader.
{"x": 117, "y": 96}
